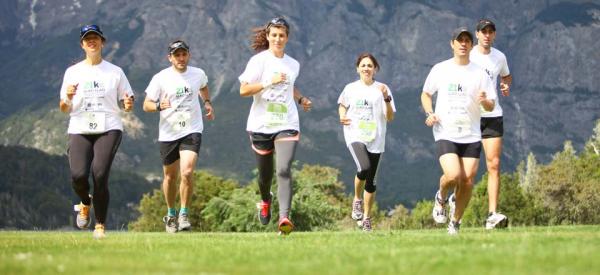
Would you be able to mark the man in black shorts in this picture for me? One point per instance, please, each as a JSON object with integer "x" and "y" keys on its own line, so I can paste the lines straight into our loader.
{"x": 462, "y": 89}
{"x": 492, "y": 125}
{"x": 174, "y": 93}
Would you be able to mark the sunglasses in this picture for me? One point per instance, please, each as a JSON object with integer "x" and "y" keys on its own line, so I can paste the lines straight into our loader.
{"x": 178, "y": 45}
{"x": 278, "y": 21}
{"x": 90, "y": 28}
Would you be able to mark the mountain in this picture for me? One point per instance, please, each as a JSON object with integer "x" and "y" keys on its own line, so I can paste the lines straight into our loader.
{"x": 551, "y": 48}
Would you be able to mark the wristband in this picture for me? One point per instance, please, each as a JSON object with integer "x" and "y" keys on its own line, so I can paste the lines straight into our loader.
{"x": 300, "y": 99}
{"x": 68, "y": 101}
{"x": 388, "y": 98}
{"x": 158, "y": 106}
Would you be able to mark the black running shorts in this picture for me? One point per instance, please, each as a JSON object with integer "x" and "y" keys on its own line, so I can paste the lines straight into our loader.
{"x": 492, "y": 127}
{"x": 264, "y": 143}
{"x": 463, "y": 150}
{"x": 169, "y": 150}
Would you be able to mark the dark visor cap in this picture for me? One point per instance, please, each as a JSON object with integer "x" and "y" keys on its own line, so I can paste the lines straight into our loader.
{"x": 87, "y": 29}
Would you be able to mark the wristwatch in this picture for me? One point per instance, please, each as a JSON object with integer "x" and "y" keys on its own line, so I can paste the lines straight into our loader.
{"x": 158, "y": 106}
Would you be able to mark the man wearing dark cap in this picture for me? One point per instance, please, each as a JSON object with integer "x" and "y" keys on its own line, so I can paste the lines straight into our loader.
{"x": 492, "y": 127}
{"x": 462, "y": 89}
{"x": 173, "y": 92}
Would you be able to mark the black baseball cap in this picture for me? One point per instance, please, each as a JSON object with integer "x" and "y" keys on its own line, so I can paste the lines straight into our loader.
{"x": 87, "y": 29}
{"x": 460, "y": 30}
{"x": 484, "y": 23}
{"x": 178, "y": 44}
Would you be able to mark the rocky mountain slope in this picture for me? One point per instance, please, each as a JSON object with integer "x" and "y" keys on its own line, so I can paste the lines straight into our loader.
{"x": 551, "y": 48}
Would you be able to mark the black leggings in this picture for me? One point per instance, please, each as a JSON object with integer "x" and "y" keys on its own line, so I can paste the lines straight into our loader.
{"x": 284, "y": 154}
{"x": 366, "y": 165}
{"x": 97, "y": 152}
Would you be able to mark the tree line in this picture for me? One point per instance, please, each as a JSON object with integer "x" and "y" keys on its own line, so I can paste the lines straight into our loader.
{"x": 564, "y": 191}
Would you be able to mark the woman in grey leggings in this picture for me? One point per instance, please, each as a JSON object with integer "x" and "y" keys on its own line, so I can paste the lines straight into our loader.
{"x": 273, "y": 122}
{"x": 365, "y": 106}
{"x": 91, "y": 93}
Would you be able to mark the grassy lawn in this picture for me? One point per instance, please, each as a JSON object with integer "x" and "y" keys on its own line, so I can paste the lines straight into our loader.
{"x": 523, "y": 250}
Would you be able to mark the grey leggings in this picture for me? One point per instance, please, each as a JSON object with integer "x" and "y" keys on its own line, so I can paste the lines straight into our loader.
{"x": 97, "y": 152}
{"x": 284, "y": 155}
{"x": 366, "y": 164}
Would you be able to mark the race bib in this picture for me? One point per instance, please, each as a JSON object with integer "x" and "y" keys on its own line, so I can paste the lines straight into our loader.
{"x": 180, "y": 120}
{"x": 277, "y": 114}
{"x": 93, "y": 123}
{"x": 367, "y": 129}
{"x": 459, "y": 125}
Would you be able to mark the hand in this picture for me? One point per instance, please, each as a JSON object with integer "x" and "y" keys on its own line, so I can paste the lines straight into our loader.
{"x": 345, "y": 121}
{"x": 505, "y": 89}
{"x": 306, "y": 104}
{"x": 481, "y": 96}
{"x": 165, "y": 103}
{"x": 210, "y": 115}
{"x": 278, "y": 78}
{"x": 71, "y": 91}
{"x": 432, "y": 119}
{"x": 128, "y": 103}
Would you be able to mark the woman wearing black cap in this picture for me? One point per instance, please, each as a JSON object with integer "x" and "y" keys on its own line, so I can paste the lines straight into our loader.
{"x": 91, "y": 93}
{"x": 273, "y": 123}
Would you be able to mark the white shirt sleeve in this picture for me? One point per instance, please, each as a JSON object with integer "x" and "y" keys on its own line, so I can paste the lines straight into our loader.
{"x": 488, "y": 86}
{"x": 430, "y": 86}
{"x": 343, "y": 98}
{"x": 66, "y": 82}
{"x": 203, "y": 80}
{"x": 124, "y": 88}
{"x": 153, "y": 89}
{"x": 253, "y": 71}
{"x": 504, "y": 68}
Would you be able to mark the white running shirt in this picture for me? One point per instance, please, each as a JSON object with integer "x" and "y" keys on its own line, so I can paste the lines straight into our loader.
{"x": 366, "y": 111}
{"x": 494, "y": 64}
{"x": 456, "y": 104}
{"x": 95, "y": 108}
{"x": 182, "y": 90}
{"x": 273, "y": 109}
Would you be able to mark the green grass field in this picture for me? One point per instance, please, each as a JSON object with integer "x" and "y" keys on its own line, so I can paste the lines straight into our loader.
{"x": 524, "y": 250}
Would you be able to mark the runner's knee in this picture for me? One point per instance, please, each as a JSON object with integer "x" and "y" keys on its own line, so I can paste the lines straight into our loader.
{"x": 370, "y": 186}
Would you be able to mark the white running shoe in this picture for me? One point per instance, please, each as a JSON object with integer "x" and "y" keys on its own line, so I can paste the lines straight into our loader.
{"x": 453, "y": 228}
{"x": 99, "y": 232}
{"x": 170, "y": 224}
{"x": 184, "y": 223}
{"x": 439, "y": 211}
{"x": 83, "y": 215}
{"x": 496, "y": 220}
{"x": 357, "y": 210}
{"x": 452, "y": 205}
{"x": 366, "y": 224}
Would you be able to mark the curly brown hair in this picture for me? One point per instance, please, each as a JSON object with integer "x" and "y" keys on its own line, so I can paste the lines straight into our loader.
{"x": 259, "y": 40}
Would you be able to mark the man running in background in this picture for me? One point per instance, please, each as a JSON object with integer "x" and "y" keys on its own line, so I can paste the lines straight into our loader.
{"x": 492, "y": 127}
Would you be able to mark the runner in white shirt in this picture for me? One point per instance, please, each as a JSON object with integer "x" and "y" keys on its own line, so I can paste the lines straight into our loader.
{"x": 273, "y": 123}
{"x": 174, "y": 93}
{"x": 91, "y": 93}
{"x": 492, "y": 125}
{"x": 365, "y": 107}
{"x": 463, "y": 89}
